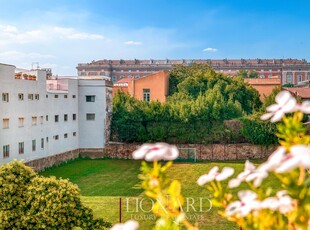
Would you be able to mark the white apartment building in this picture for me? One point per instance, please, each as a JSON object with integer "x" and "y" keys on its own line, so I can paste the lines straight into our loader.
{"x": 41, "y": 118}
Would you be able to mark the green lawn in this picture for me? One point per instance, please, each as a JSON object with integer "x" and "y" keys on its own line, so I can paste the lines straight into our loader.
{"x": 104, "y": 182}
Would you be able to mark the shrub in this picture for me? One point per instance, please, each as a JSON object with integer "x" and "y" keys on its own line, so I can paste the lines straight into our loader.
{"x": 29, "y": 201}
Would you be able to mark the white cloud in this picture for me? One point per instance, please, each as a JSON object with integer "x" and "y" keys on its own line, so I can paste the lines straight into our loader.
{"x": 71, "y": 33}
{"x": 209, "y": 50}
{"x": 133, "y": 43}
{"x": 11, "y": 34}
{"x": 16, "y": 55}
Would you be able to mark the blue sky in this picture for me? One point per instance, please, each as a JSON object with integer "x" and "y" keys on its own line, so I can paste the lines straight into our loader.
{"x": 61, "y": 34}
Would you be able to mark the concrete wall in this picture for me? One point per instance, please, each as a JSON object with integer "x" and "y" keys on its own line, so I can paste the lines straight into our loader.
{"x": 92, "y": 132}
{"x": 43, "y": 108}
{"x": 264, "y": 86}
{"x": 158, "y": 84}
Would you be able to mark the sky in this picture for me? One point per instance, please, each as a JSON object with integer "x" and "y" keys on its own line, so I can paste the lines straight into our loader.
{"x": 59, "y": 34}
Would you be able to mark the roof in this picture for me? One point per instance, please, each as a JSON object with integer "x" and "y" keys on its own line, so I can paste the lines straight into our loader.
{"x": 301, "y": 92}
{"x": 123, "y": 80}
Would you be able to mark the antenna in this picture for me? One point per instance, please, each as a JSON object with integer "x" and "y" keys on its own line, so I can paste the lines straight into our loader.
{"x": 33, "y": 63}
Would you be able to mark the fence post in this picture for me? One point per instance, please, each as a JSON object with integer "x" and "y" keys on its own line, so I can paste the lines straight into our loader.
{"x": 120, "y": 210}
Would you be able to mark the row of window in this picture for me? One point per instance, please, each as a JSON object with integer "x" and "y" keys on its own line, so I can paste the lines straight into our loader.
{"x": 34, "y": 120}
{"x": 5, "y": 96}
{"x": 21, "y": 145}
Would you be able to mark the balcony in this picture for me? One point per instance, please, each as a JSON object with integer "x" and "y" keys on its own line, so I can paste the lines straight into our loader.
{"x": 24, "y": 76}
{"x": 57, "y": 85}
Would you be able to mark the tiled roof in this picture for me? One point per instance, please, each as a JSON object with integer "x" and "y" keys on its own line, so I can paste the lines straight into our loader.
{"x": 301, "y": 92}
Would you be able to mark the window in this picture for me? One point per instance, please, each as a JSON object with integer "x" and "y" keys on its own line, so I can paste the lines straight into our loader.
{"x": 56, "y": 96}
{"x": 21, "y": 122}
{"x": 138, "y": 76}
{"x": 138, "y": 70}
{"x": 146, "y": 94}
{"x": 46, "y": 96}
{"x": 21, "y": 147}
{"x": 30, "y": 96}
{"x": 113, "y": 78}
{"x": 33, "y": 145}
{"x": 66, "y": 117}
{"x": 74, "y": 116}
{"x": 299, "y": 78}
{"x": 5, "y": 97}
{"x": 21, "y": 96}
{"x": 37, "y": 96}
{"x": 56, "y": 118}
{"x": 262, "y": 70}
{"x": 6, "y": 151}
{"x": 66, "y": 135}
{"x": 46, "y": 139}
{"x": 34, "y": 120}
{"x": 270, "y": 70}
{"x": 269, "y": 75}
{"x": 121, "y": 77}
{"x": 56, "y": 137}
{"x": 90, "y": 98}
{"x": 41, "y": 120}
{"x": 46, "y": 117}
{"x": 129, "y": 71}
{"x": 262, "y": 76}
{"x": 73, "y": 96}
{"x": 65, "y": 96}
{"x": 74, "y": 134}
{"x": 289, "y": 78}
{"x": 6, "y": 123}
{"x": 90, "y": 116}
{"x": 42, "y": 143}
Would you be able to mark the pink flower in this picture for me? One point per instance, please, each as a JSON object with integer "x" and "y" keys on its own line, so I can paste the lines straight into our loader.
{"x": 303, "y": 107}
{"x": 248, "y": 202}
{"x": 250, "y": 173}
{"x": 274, "y": 160}
{"x": 286, "y": 103}
{"x": 156, "y": 152}
{"x": 129, "y": 225}
{"x": 215, "y": 175}
{"x": 282, "y": 202}
{"x": 299, "y": 156}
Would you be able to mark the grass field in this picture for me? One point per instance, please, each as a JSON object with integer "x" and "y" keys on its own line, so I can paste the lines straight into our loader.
{"x": 104, "y": 181}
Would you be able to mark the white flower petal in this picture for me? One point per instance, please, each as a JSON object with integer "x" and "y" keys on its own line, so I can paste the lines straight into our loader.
{"x": 273, "y": 108}
{"x": 266, "y": 116}
{"x": 289, "y": 107}
{"x": 205, "y": 179}
{"x": 247, "y": 195}
{"x": 277, "y": 116}
{"x": 172, "y": 154}
{"x": 305, "y": 107}
{"x": 233, "y": 208}
{"x": 288, "y": 165}
{"x": 129, "y": 225}
{"x": 226, "y": 172}
{"x": 283, "y": 97}
{"x": 270, "y": 203}
{"x": 233, "y": 183}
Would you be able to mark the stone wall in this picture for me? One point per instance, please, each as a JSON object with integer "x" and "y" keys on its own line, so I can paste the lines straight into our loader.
{"x": 124, "y": 151}
{"x": 203, "y": 152}
{"x": 46, "y": 162}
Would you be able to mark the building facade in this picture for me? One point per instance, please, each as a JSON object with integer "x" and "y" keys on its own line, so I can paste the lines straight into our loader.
{"x": 290, "y": 71}
{"x": 41, "y": 118}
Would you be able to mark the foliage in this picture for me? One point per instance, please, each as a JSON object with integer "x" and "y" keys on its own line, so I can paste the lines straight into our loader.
{"x": 257, "y": 131}
{"x": 257, "y": 207}
{"x": 247, "y": 74}
{"x": 29, "y": 201}
{"x": 288, "y": 85}
{"x": 201, "y": 99}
